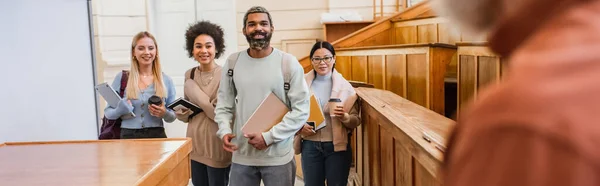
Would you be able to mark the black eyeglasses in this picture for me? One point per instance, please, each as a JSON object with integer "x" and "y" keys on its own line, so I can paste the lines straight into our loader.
{"x": 326, "y": 59}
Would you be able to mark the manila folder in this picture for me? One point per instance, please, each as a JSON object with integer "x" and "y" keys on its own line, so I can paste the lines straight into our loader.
{"x": 316, "y": 115}
{"x": 268, "y": 114}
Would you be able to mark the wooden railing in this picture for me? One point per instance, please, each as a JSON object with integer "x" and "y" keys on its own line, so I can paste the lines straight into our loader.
{"x": 379, "y": 10}
{"x": 399, "y": 142}
{"x": 477, "y": 67}
{"x": 415, "y": 71}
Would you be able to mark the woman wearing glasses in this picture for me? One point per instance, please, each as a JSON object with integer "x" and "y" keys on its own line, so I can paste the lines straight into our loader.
{"x": 326, "y": 153}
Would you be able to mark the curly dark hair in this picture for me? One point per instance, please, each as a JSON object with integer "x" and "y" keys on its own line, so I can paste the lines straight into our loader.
{"x": 208, "y": 28}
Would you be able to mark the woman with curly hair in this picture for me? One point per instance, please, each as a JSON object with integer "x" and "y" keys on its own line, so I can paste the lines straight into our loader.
{"x": 210, "y": 162}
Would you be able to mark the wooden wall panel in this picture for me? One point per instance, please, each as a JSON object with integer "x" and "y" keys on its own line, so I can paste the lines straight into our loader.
{"x": 395, "y": 76}
{"x": 366, "y": 145}
{"x": 431, "y": 30}
{"x": 406, "y": 35}
{"x": 402, "y": 164}
{"x": 359, "y": 68}
{"x": 423, "y": 177}
{"x": 360, "y": 161}
{"x": 467, "y": 78}
{"x": 374, "y": 151}
{"x": 376, "y": 71}
{"x": 417, "y": 72}
{"x": 343, "y": 64}
{"x": 488, "y": 71}
{"x": 179, "y": 176}
{"x": 471, "y": 38}
{"x": 336, "y": 30}
{"x": 446, "y": 34}
{"x": 440, "y": 58}
{"x": 383, "y": 38}
{"x": 387, "y": 157}
{"x": 359, "y": 36}
{"x": 427, "y": 33}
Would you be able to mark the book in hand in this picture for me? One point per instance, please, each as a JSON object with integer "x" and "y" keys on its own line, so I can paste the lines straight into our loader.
{"x": 185, "y": 104}
{"x": 268, "y": 114}
{"x": 316, "y": 118}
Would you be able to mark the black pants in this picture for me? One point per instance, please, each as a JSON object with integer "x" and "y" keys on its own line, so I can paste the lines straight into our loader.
{"x": 203, "y": 175}
{"x": 154, "y": 132}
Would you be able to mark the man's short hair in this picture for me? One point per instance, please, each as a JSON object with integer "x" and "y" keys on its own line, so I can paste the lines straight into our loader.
{"x": 257, "y": 9}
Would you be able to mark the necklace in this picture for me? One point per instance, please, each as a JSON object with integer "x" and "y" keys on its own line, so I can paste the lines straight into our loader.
{"x": 203, "y": 79}
{"x": 145, "y": 85}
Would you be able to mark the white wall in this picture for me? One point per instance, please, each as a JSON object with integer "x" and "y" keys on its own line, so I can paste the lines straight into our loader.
{"x": 298, "y": 22}
{"x": 115, "y": 24}
{"x": 169, "y": 21}
{"x": 46, "y": 71}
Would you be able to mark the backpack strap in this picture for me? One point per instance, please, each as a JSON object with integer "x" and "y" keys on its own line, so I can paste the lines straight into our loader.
{"x": 231, "y": 61}
{"x": 193, "y": 73}
{"x": 124, "y": 78}
{"x": 287, "y": 76}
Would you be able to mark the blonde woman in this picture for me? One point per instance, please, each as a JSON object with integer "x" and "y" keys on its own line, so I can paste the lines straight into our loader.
{"x": 210, "y": 162}
{"x": 145, "y": 79}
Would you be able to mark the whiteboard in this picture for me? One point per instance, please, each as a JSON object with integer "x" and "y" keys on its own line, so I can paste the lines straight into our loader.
{"x": 47, "y": 71}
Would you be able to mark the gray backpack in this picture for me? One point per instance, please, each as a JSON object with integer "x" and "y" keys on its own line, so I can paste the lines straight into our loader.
{"x": 231, "y": 61}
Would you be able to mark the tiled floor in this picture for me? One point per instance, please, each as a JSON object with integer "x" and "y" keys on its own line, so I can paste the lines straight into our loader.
{"x": 299, "y": 182}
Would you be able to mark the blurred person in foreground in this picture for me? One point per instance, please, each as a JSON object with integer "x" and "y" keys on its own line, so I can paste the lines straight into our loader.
{"x": 540, "y": 124}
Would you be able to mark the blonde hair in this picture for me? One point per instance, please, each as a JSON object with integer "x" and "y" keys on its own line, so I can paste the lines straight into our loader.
{"x": 133, "y": 89}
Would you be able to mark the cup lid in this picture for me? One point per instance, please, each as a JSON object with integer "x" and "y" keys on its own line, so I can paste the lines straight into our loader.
{"x": 335, "y": 100}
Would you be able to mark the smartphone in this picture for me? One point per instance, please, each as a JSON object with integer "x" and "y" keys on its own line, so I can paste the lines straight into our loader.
{"x": 312, "y": 124}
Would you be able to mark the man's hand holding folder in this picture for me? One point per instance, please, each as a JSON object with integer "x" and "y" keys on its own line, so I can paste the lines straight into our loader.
{"x": 256, "y": 140}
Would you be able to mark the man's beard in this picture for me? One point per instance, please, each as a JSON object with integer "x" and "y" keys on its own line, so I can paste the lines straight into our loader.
{"x": 472, "y": 16}
{"x": 259, "y": 44}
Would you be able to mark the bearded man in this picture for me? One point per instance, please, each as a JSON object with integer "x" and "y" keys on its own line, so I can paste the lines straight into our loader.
{"x": 254, "y": 74}
{"x": 540, "y": 125}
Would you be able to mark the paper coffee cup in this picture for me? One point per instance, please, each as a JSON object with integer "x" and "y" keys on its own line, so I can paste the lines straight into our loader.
{"x": 334, "y": 103}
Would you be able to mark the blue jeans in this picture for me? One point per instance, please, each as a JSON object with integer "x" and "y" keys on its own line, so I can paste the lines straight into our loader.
{"x": 282, "y": 175}
{"x": 203, "y": 175}
{"x": 320, "y": 163}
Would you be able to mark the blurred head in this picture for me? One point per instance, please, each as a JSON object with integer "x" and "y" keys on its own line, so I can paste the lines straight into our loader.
{"x": 322, "y": 58}
{"x": 473, "y": 16}
{"x": 258, "y": 28}
{"x": 204, "y": 42}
